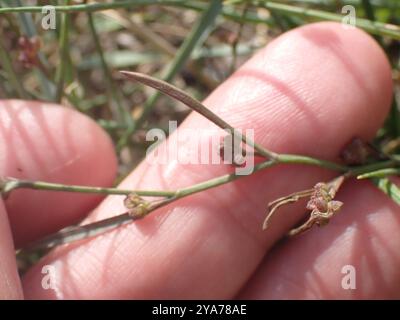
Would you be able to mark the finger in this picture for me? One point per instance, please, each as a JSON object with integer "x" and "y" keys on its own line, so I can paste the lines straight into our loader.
{"x": 10, "y": 285}
{"x": 356, "y": 256}
{"x": 41, "y": 141}
{"x": 309, "y": 92}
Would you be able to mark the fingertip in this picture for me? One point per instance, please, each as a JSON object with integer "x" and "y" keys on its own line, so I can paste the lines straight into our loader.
{"x": 332, "y": 82}
{"x": 10, "y": 285}
{"x": 363, "y": 235}
{"x": 362, "y": 57}
{"x": 42, "y": 141}
{"x": 356, "y": 67}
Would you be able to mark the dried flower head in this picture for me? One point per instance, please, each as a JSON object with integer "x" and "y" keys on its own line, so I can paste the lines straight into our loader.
{"x": 321, "y": 203}
{"x": 137, "y": 206}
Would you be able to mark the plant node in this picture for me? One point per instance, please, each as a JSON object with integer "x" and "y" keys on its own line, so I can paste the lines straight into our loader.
{"x": 137, "y": 206}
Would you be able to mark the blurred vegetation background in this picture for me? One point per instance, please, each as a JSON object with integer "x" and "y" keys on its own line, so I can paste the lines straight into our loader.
{"x": 194, "y": 44}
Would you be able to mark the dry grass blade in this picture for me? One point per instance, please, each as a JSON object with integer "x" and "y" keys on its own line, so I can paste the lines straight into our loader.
{"x": 195, "y": 105}
{"x": 179, "y": 95}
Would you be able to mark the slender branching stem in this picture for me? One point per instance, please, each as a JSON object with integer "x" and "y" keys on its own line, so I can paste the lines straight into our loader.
{"x": 10, "y": 184}
{"x": 374, "y": 27}
{"x": 89, "y": 230}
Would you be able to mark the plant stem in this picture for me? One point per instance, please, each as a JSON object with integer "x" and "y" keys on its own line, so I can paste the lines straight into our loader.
{"x": 292, "y": 158}
{"x": 10, "y": 184}
{"x": 80, "y": 232}
{"x": 60, "y": 77}
{"x": 374, "y": 27}
{"x": 356, "y": 171}
{"x": 121, "y": 112}
{"x": 212, "y": 183}
{"x": 99, "y": 227}
{"x": 369, "y": 11}
{"x": 197, "y": 106}
{"x": 91, "y": 7}
{"x": 382, "y": 173}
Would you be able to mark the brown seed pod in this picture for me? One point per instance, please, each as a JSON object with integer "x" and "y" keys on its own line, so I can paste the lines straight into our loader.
{"x": 356, "y": 152}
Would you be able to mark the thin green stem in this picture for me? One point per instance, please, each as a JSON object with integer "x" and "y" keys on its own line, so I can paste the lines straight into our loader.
{"x": 10, "y": 184}
{"x": 291, "y": 158}
{"x": 93, "y": 229}
{"x": 229, "y": 13}
{"x": 212, "y": 183}
{"x": 356, "y": 171}
{"x": 121, "y": 112}
{"x": 374, "y": 27}
{"x": 382, "y": 173}
{"x": 369, "y": 10}
{"x": 80, "y": 232}
{"x": 60, "y": 77}
{"x": 92, "y": 7}
{"x": 99, "y": 227}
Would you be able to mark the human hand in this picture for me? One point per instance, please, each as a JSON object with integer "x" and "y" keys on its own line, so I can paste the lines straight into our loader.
{"x": 309, "y": 92}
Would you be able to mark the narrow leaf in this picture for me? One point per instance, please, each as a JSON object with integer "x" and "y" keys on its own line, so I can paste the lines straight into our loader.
{"x": 389, "y": 188}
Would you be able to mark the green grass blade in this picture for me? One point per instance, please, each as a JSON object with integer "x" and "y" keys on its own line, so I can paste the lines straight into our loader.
{"x": 382, "y": 173}
{"x": 119, "y": 112}
{"x": 92, "y": 7}
{"x": 373, "y": 27}
{"x": 369, "y": 11}
{"x": 193, "y": 40}
{"x": 5, "y": 61}
{"x": 389, "y": 188}
{"x": 60, "y": 76}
